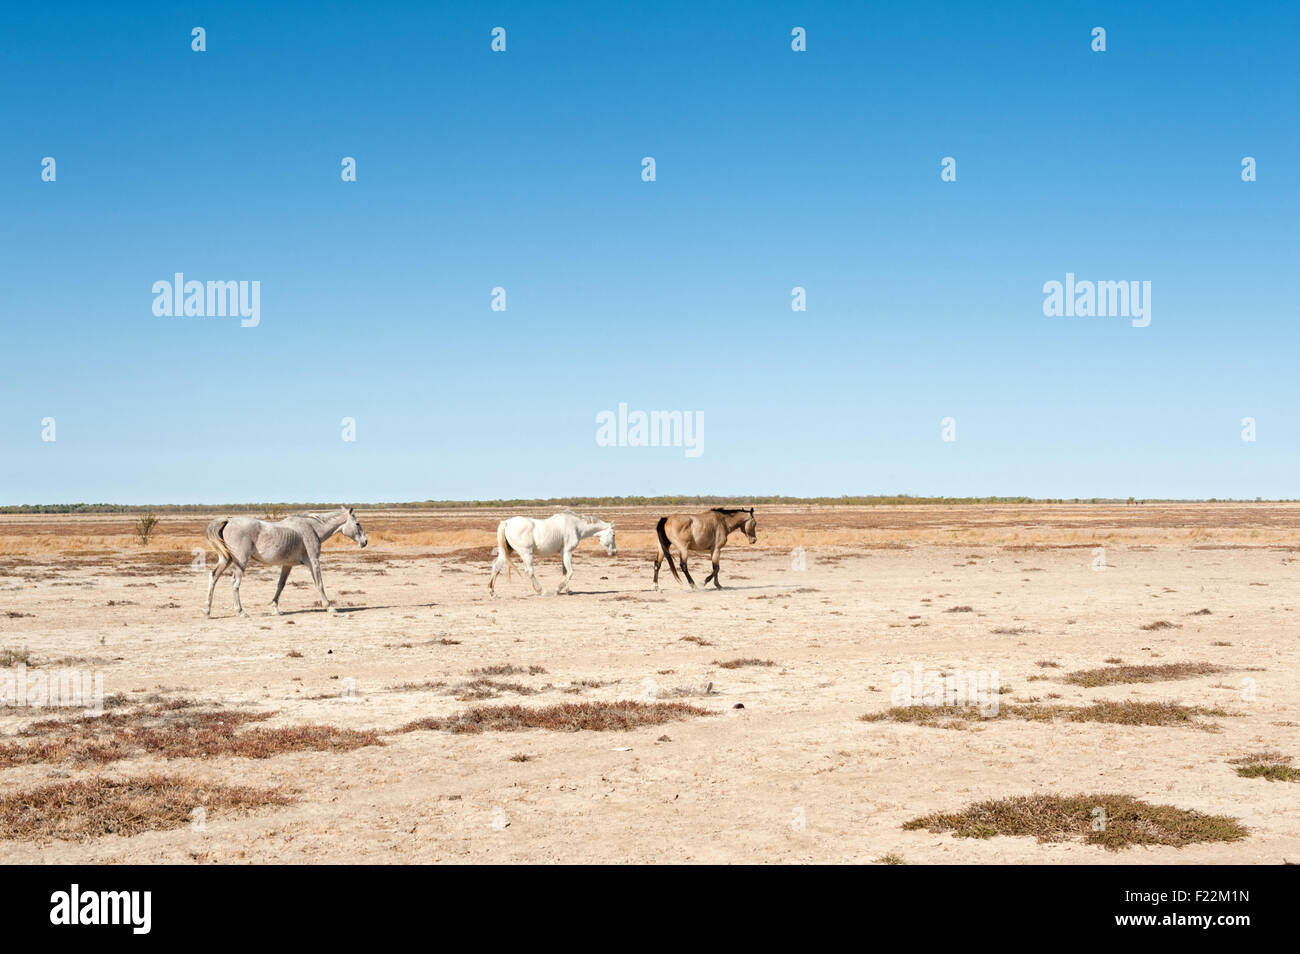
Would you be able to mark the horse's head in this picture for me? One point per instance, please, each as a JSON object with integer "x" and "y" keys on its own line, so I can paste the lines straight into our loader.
{"x": 606, "y": 538}
{"x": 750, "y": 528}
{"x": 352, "y": 528}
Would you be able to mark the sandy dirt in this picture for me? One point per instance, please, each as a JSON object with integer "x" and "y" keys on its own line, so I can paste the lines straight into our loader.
{"x": 793, "y": 776}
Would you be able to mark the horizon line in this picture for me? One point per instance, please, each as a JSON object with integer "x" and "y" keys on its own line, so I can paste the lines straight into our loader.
{"x": 626, "y": 501}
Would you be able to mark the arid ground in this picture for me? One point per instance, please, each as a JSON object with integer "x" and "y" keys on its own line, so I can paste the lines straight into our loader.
{"x": 780, "y": 767}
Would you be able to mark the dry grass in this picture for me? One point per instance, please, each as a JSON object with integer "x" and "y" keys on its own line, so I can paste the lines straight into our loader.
{"x": 1274, "y": 772}
{"x": 1273, "y": 766}
{"x": 1111, "y": 821}
{"x": 565, "y": 717}
{"x": 1132, "y": 712}
{"x": 480, "y": 689}
{"x": 507, "y": 669}
{"x": 171, "y": 730}
{"x": 1159, "y": 624}
{"x": 741, "y": 663}
{"x": 13, "y": 657}
{"x": 1116, "y": 713}
{"x": 892, "y": 525}
{"x": 934, "y": 717}
{"x": 1256, "y": 758}
{"x": 101, "y": 806}
{"x": 1118, "y": 675}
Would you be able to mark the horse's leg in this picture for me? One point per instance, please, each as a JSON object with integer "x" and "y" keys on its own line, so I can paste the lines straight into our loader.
{"x": 659, "y": 559}
{"x": 213, "y": 576}
{"x": 685, "y": 572}
{"x": 320, "y": 585}
{"x": 526, "y": 557}
{"x": 284, "y": 575}
{"x": 717, "y": 552}
{"x": 497, "y": 565}
{"x": 566, "y": 558}
{"x": 237, "y": 574}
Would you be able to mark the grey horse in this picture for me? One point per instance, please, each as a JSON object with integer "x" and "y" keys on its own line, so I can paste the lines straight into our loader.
{"x": 286, "y": 544}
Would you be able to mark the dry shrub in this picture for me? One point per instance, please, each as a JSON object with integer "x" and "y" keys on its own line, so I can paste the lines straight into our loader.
{"x": 171, "y": 730}
{"x": 507, "y": 669}
{"x": 1257, "y": 758}
{"x": 144, "y": 528}
{"x": 99, "y": 806}
{"x": 1118, "y": 675}
{"x": 1273, "y": 766}
{"x": 13, "y": 657}
{"x": 741, "y": 663}
{"x": 1144, "y": 713}
{"x": 564, "y": 717}
{"x": 489, "y": 689}
{"x": 933, "y": 717}
{"x": 1117, "y": 713}
{"x": 1126, "y": 821}
{"x": 1274, "y": 772}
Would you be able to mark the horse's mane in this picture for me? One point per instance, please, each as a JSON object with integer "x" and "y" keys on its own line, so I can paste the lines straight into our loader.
{"x": 585, "y": 517}
{"x": 730, "y": 510}
{"x": 322, "y": 517}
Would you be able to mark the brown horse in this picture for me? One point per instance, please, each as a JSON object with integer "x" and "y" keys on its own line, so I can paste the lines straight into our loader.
{"x": 706, "y": 531}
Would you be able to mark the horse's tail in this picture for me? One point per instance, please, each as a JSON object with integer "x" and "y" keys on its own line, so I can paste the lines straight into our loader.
{"x": 666, "y": 545}
{"x": 213, "y": 534}
{"x": 504, "y": 546}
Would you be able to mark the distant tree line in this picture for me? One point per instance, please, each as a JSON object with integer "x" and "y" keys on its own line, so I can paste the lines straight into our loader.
{"x": 685, "y": 500}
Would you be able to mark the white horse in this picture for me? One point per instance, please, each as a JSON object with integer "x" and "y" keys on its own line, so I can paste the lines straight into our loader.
{"x": 560, "y": 534}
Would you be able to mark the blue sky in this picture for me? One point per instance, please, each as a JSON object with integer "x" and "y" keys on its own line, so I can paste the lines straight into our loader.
{"x": 522, "y": 169}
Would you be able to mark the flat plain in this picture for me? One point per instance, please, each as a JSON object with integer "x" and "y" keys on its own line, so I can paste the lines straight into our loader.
{"x": 764, "y": 755}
